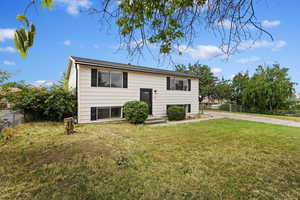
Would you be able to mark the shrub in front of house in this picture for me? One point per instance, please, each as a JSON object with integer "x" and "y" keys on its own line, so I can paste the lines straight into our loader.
{"x": 176, "y": 113}
{"x": 136, "y": 112}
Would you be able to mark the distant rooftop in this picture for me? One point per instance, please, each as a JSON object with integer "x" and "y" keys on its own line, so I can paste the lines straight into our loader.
{"x": 129, "y": 67}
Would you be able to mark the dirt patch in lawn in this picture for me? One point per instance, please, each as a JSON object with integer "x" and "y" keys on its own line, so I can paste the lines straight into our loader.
{"x": 65, "y": 153}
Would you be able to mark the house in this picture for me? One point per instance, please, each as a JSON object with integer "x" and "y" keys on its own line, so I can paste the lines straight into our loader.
{"x": 103, "y": 87}
{"x": 295, "y": 99}
{"x": 210, "y": 101}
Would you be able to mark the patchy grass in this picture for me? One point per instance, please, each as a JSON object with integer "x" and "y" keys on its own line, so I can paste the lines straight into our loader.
{"x": 218, "y": 159}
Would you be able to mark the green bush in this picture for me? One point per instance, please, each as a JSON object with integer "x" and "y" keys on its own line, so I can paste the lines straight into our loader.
{"x": 136, "y": 112}
{"x": 44, "y": 104}
{"x": 176, "y": 113}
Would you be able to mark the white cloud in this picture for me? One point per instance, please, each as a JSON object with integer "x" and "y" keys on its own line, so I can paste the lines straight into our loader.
{"x": 8, "y": 49}
{"x": 73, "y": 7}
{"x": 226, "y": 24}
{"x": 7, "y": 62}
{"x": 202, "y": 51}
{"x": 266, "y": 23}
{"x": 269, "y": 24}
{"x": 278, "y": 45}
{"x": 67, "y": 42}
{"x": 216, "y": 71}
{"x": 248, "y": 60}
{"x": 6, "y": 34}
{"x": 42, "y": 83}
{"x": 250, "y": 44}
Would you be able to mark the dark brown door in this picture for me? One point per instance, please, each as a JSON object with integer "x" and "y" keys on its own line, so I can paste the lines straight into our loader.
{"x": 146, "y": 96}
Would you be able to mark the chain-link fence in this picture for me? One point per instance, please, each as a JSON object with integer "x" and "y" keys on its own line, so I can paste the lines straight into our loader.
{"x": 224, "y": 107}
{"x": 9, "y": 118}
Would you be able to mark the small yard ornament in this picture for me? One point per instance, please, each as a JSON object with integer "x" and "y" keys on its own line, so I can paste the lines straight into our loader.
{"x": 69, "y": 125}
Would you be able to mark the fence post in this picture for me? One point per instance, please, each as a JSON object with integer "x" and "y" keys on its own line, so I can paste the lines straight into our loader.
{"x": 230, "y": 108}
{"x": 69, "y": 125}
{"x": 13, "y": 119}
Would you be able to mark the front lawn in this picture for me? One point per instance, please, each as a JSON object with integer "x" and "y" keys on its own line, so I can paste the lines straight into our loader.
{"x": 218, "y": 159}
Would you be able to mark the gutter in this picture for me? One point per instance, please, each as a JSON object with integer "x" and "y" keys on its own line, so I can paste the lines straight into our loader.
{"x": 128, "y": 69}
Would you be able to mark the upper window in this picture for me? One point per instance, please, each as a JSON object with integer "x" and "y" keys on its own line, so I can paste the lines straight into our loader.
{"x": 116, "y": 79}
{"x": 178, "y": 84}
{"x": 103, "y": 79}
{"x": 100, "y": 78}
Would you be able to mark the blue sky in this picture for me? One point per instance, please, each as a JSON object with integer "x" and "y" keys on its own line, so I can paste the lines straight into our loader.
{"x": 66, "y": 31}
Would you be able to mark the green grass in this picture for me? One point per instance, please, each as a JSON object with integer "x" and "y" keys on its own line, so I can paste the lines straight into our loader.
{"x": 218, "y": 159}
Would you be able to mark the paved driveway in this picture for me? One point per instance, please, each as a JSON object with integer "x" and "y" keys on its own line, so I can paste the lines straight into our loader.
{"x": 252, "y": 118}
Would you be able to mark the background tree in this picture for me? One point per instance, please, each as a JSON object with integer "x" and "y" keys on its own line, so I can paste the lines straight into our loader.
{"x": 222, "y": 90}
{"x": 166, "y": 23}
{"x": 268, "y": 90}
{"x": 239, "y": 83}
{"x": 207, "y": 80}
{"x": 4, "y": 75}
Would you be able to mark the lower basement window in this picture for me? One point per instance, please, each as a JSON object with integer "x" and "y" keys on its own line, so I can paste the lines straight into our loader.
{"x": 105, "y": 112}
{"x": 115, "y": 112}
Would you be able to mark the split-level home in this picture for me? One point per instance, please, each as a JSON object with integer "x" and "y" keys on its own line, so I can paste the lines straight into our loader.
{"x": 103, "y": 88}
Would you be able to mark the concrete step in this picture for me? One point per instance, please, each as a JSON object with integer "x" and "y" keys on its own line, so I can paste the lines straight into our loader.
{"x": 155, "y": 121}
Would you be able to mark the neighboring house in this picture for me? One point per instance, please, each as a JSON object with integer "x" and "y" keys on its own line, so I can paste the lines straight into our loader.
{"x": 296, "y": 99}
{"x": 208, "y": 101}
{"x": 104, "y": 87}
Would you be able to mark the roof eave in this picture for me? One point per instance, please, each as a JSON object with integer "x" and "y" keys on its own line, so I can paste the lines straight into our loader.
{"x": 113, "y": 67}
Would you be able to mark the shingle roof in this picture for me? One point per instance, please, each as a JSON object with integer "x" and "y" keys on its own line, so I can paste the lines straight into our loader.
{"x": 128, "y": 67}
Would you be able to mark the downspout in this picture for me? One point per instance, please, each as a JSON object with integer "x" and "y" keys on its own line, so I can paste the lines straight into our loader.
{"x": 76, "y": 89}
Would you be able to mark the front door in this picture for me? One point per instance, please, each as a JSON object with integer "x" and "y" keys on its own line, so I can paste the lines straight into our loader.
{"x": 146, "y": 95}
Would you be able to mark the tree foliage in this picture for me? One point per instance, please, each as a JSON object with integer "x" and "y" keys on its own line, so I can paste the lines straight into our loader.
{"x": 4, "y": 75}
{"x": 268, "y": 90}
{"x": 239, "y": 84}
{"x": 222, "y": 90}
{"x": 39, "y": 104}
{"x": 167, "y": 23}
{"x": 24, "y": 37}
{"x": 171, "y": 23}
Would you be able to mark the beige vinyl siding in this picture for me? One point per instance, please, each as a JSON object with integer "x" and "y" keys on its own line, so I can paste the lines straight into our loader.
{"x": 103, "y": 96}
